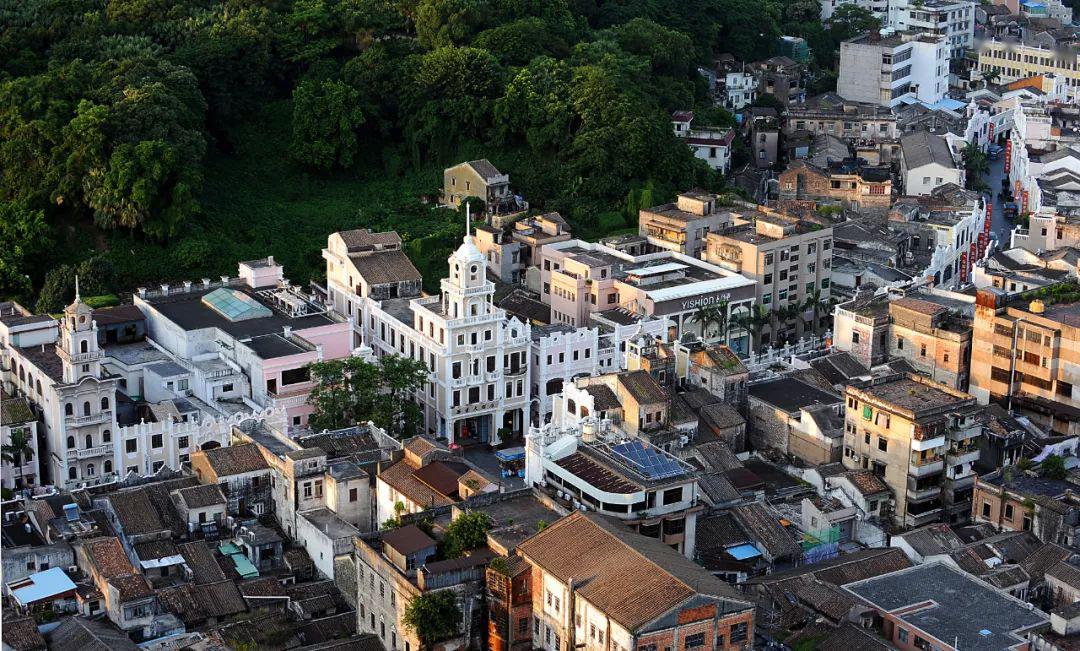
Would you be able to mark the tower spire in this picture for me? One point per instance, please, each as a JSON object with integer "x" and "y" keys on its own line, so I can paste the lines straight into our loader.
{"x": 76, "y": 287}
{"x": 468, "y": 220}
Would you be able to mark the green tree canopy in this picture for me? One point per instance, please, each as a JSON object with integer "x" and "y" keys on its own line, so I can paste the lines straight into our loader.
{"x": 326, "y": 123}
{"x": 433, "y": 616}
{"x": 350, "y": 390}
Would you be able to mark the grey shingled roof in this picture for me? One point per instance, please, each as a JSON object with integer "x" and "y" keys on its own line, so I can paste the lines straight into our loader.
{"x": 923, "y": 148}
{"x": 484, "y": 168}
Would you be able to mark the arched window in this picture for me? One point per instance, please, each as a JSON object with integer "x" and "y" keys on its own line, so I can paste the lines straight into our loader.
{"x": 22, "y": 374}
{"x": 104, "y": 404}
{"x": 83, "y": 346}
{"x": 73, "y": 473}
{"x": 86, "y": 408}
{"x": 90, "y": 470}
{"x": 106, "y": 437}
{"x": 571, "y": 406}
{"x": 584, "y": 411}
{"x": 106, "y": 467}
{"x": 69, "y": 409}
{"x": 89, "y": 440}
{"x": 71, "y": 442}
{"x": 472, "y": 310}
{"x": 473, "y": 272}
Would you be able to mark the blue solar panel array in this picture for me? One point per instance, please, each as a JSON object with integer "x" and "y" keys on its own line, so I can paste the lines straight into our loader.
{"x": 647, "y": 460}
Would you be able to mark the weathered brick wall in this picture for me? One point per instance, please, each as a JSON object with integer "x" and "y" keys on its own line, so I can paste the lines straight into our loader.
{"x": 767, "y": 426}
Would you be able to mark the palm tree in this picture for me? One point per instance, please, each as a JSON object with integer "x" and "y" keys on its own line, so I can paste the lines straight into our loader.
{"x": 991, "y": 76}
{"x": 18, "y": 452}
{"x": 815, "y": 304}
{"x": 744, "y": 321}
{"x": 976, "y": 165}
{"x": 759, "y": 320}
{"x": 704, "y": 315}
{"x": 722, "y": 319}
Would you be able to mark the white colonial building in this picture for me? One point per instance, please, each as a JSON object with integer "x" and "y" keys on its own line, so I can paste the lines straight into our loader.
{"x": 478, "y": 356}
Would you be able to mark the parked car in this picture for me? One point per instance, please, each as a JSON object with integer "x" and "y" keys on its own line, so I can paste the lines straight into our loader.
{"x": 993, "y": 152}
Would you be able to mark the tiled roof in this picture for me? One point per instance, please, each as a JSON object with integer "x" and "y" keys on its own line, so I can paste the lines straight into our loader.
{"x": 643, "y": 387}
{"x": 765, "y": 528}
{"x": 361, "y": 238}
{"x": 603, "y": 397}
{"x": 201, "y": 496}
{"x": 117, "y": 314}
{"x": 266, "y": 586}
{"x": 866, "y": 482}
{"x": 631, "y": 578}
{"x": 400, "y": 477}
{"x": 917, "y": 305}
{"x": 384, "y": 267}
{"x": 484, "y": 169}
{"x": 44, "y": 357}
{"x": 197, "y": 603}
{"x": 235, "y": 459}
{"x": 81, "y": 634}
{"x": 130, "y": 587}
{"x": 108, "y": 557}
{"x": 135, "y": 512}
{"x": 14, "y": 411}
{"x": 408, "y": 539}
{"x": 1066, "y": 573}
{"x": 441, "y": 476}
{"x": 1043, "y": 559}
{"x": 716, "y": 455}
{"x": 200, "y": 560}
{"x": 155, "y": 549}
{"x": 21, "y": 634}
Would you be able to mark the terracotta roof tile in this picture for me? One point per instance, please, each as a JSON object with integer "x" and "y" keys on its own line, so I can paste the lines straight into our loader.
{"x": 108, "y": 557}
{"x": 633, "y": 579}
{"x": 131, "y": 587}
{"x": 235, "y": 459}
{"x": 400, "y": 477}
{"x": 643, "y": 387}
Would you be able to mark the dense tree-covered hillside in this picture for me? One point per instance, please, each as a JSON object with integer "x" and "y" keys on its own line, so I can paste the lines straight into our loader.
{"x": 147, "y": 140}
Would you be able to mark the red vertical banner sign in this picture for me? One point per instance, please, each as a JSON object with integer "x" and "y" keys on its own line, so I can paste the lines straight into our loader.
{"x": 963, "y": 267}
{"x": 1024, "y": 209}
{"x": 972, "y": 258}
{"x": 1008, "y": 155}
{"x": 984, "y": 236}
{"x": 990, "y": 131}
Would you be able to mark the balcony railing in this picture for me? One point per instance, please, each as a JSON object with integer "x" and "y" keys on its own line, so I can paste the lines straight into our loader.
{"x": 81, "y": 358}
{"x": 78, "y": 421}
{"x": 96, "y": 451}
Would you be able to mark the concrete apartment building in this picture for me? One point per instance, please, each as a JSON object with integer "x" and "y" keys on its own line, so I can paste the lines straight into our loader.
{"x": 931, "y": 333}
{"x": 866, "y": 189}
{"x": 585, "y": 282}
{"x": 781, "y": 77}
{"x": 598, "y": 585}
{"x": 1019, "y": 60}
{"x": 763, "y": 134}
{"x": 681, "y": 227}
{"x": 708, "y": 144}
{"x": 831, "y": 114}
{"x": 19, "y": 420}
{"x": 1024, "y": 353}
{"x": 926, "y": 163}
{"x": 788, "y": 259}
{"x": 938, "y": 606}
{"x": 953, "y": 19}
{"x": 921, "y": 438}
{"x": 906, "y": 66}
{"x": 1014, "y": 501}
{"x": 587, "y": 464}
{"x": 796, "y": 418}
{"x": 513, "y": 249}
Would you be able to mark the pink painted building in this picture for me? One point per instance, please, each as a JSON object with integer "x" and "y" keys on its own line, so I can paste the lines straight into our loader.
{"x": 248, "y": 340}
